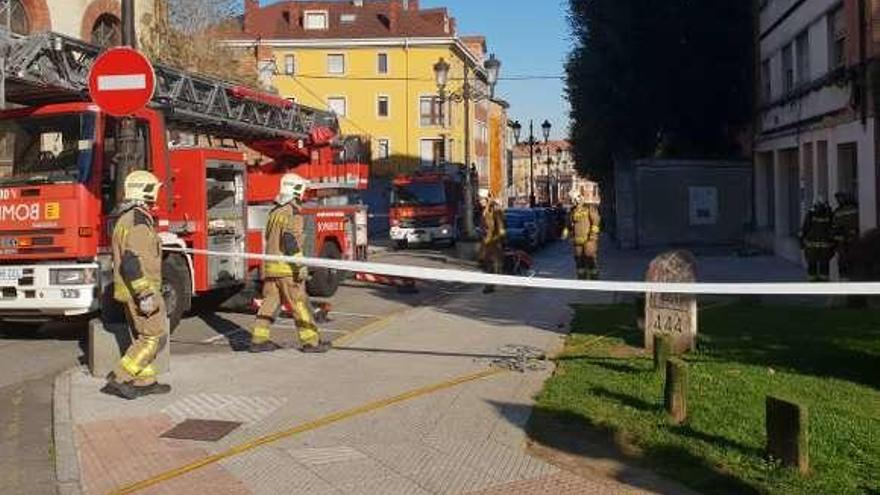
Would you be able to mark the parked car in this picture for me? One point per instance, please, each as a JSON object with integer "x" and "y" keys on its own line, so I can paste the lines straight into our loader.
{"x": 522, "y": 228}
{"x": 545, "y": 227}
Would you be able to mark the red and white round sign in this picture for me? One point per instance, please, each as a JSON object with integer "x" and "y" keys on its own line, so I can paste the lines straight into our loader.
{"x": 122, "y": 81}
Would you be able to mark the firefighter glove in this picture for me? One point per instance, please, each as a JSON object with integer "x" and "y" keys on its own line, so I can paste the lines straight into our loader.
{"x": 147, "y": 305}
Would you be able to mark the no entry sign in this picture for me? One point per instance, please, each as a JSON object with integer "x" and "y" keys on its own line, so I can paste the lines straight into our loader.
{"x": 122, "y": 81}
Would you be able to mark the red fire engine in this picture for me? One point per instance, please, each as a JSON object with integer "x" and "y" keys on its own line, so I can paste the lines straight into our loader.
{"x": 428, "y": 206}
{"x": 60, "y": 179}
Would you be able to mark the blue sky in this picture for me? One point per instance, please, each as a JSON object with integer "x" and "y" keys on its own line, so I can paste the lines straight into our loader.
{"x": 531, "y": 38}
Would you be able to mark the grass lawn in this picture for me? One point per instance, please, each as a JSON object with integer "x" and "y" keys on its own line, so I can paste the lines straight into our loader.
{"x": 829, "y": 360}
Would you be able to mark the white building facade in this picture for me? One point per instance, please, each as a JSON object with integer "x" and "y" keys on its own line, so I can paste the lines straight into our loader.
{"x": 815, "y": 128}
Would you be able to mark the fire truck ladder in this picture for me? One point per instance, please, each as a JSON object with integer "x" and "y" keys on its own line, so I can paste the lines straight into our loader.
{"x": 52, "y": 68}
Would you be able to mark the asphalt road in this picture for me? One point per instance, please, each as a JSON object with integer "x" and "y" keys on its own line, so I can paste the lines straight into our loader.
{"x": 30, "y": 358}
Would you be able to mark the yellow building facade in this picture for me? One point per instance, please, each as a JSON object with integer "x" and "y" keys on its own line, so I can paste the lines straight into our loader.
{"x": 387, "y": 92}
{"x": 372, "y": 62}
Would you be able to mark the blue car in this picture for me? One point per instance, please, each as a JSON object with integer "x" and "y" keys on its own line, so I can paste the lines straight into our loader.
{"x": 522, "y": 229}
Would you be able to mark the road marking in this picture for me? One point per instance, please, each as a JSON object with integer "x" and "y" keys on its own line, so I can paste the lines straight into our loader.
{"x": 305, "y": 427}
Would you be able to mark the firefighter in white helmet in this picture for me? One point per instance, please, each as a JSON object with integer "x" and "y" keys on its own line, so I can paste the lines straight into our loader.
{"x": 137, "y": 277}
{"x": 584, "y": 228}
{"x": 283, "y": 281}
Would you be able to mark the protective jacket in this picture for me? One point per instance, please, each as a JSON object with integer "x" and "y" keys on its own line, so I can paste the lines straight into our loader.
{"x": 493, "y": 224}
{"x": 284, "y": 235}
{"x": 846, "y": 223}
{"x": 137, "y": 256}
{"x": 817, "y": 230}
{"x": 585, "y": 224}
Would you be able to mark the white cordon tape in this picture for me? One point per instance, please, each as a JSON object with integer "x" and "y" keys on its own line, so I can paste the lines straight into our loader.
{"x": 443, "y": 275}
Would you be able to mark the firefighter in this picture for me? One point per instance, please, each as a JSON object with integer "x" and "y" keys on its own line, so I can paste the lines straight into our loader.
{"x": 492, "y": 247}
{"x": 584, "y": 227}
{"x": 846, "y": 231}
{"x": 137, "y": 278}
{"x": 284, "y": 282}
{"x": 817, "y": 241}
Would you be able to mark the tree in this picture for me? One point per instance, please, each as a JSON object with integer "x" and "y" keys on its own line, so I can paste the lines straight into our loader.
{"x": 188, "y": 34}
{"x": 668, "y": 78}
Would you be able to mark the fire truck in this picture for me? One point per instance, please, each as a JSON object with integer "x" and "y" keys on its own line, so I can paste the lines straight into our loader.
{"x": 427, "y": 206}
{"x": 60, "y": 181}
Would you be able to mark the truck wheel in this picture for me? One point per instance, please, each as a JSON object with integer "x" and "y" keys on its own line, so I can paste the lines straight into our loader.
{"x": 325, "y": 282}
{"x": 176, "y": 288}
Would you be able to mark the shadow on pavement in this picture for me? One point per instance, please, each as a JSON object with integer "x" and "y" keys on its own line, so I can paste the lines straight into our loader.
{"x": 573, "y": 443}
{"x": 239, "y": 338}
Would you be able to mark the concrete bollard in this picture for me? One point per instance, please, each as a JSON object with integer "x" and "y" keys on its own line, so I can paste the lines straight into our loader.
{"x": 675, "y": 393}
{"x": 108, "y": 342}
{"x": 662, "y": 351}
{"x": 787, "y": 433}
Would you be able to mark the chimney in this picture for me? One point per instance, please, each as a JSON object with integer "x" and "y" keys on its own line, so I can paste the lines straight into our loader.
{"x": 251, "y": 11}
{"x": 411, "y": 5}
{"x": 394, "y": 15}
{"x": 452, "y": 26}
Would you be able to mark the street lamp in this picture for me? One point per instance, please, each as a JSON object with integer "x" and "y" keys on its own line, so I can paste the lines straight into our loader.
{"x": 467, "y": 94}
{"x": 532, "y": 142}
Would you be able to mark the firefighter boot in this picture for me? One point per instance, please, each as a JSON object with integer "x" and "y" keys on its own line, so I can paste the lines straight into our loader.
{"x": 321, "y": 348}
{"x": 130, "y": 391}
{"x": 261, "y": 347}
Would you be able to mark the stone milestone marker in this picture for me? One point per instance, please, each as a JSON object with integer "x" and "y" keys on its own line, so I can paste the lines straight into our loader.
{"x": 672, "y": 314}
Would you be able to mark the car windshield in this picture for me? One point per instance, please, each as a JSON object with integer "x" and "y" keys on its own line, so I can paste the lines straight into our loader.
{"x": 42, "y": 149}
{"x": 419, "y": 194}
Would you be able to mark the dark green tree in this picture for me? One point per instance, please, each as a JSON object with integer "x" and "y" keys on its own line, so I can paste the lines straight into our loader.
{"x": 666, "y": 78}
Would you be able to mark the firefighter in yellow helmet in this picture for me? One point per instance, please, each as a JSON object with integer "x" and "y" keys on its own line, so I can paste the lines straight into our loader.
{"x": 584, "y": 228}
{"x": 284, "y": 282}
{"x": 137, "y": 279}
{"x": 492, "y": 246}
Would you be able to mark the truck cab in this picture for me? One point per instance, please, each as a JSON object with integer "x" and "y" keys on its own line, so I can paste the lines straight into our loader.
{"x": 427, "y": 207}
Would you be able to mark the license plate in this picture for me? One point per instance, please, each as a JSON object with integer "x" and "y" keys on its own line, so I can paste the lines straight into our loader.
{"x": 11, "y": 273}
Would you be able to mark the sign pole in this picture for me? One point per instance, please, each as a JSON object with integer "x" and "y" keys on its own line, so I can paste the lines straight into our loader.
{"x": 127, "y": 130}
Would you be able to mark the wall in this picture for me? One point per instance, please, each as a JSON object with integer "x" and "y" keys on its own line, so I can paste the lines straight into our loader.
{"x": 659, "y": 203}
{"x": 71, "y": 16}
{"x": 410, "y": 77}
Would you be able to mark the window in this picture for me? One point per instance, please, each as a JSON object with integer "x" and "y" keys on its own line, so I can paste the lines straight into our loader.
{"x": 836, "y": 39}
{"x": 337, "y": 105}
{"x": 382, "y": 63}
{"x": 113, "y": 173}
{"x": 336, "y": 63}
{"x": 348, "y": 18}
{"x": 289, "y": 65}
{"x": 803, "y": 57}
{"x": 383, "y": 149}
{"x": 315, "y": 20}
{"x": 107, "y": 31}
{"x": 807, "y": 176}
{"x": 382, "y": 108}
{"x": 847, "y": 169}
{"x": 822, "y": 170}
{"x": 787, "y": 70}
{"x": 431, "y": 111}
{"x": 767, "y": 88}
{"x": 17, "y": 18}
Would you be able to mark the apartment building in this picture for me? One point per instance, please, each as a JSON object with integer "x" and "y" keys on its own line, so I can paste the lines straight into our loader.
{"x": 372, "y": 62}
{"x": 97, "y": 21}
{"x": 816, "y": 122}
{"x": 553, "y": 168}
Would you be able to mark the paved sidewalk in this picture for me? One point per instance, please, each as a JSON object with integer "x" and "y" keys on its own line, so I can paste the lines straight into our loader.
{"x": 464, "y": 439}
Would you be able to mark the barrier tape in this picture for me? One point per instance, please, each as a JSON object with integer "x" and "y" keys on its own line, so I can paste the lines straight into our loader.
{"x": 476, "y": 278}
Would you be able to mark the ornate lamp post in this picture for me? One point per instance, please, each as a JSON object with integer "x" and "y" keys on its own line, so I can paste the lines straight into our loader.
{"x": 517, "y": 130}
{"x": 467, "y": 94}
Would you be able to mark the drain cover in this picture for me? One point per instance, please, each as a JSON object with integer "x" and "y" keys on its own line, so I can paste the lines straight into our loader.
{"x": 201, "y": 430}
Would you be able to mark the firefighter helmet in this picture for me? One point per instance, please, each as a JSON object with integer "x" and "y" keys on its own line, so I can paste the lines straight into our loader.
{"x": 293, "y": 189}
{"x": 142, "y": 186}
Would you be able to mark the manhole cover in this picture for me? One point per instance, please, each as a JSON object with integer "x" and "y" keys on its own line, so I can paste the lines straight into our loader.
{"x": 201, "y": 430}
